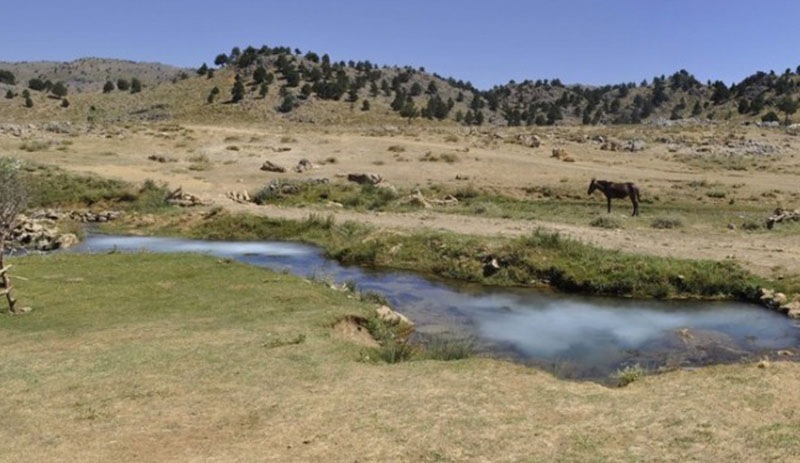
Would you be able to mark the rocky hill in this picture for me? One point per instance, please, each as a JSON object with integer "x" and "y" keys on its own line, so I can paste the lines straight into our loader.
{"x": 281, "y": 83}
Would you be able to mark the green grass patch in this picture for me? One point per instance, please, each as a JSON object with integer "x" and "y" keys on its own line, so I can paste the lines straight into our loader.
{"x": 540, "y": 258}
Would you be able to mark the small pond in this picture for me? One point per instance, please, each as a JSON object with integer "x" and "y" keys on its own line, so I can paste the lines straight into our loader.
{"x": 572, "y": 336}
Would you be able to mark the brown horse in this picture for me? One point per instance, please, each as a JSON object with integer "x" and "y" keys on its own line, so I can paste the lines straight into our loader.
{"x": 617, "y": 190}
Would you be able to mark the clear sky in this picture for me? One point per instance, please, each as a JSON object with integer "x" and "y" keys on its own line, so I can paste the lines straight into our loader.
{"x": 485, "y": 42}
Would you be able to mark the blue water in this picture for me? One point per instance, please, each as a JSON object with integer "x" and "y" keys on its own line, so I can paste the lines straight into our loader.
{"x": 574, "y": 336}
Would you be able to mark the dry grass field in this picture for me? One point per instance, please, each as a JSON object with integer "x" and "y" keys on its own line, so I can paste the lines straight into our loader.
{"x": 154, "y": 358}
{"x": 719, "y": 183}
{"x": 187, "y": 358}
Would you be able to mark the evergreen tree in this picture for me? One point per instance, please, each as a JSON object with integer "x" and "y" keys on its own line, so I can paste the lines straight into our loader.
{"x": 7, "y": 77}
{"x": 365, "y": 105}
{"x": 697, "y": 109}
{"x": 59, "y": 89}
{"x": 721, "y": 92}
{"x": 260, "y": 74}
{"x": 787, "y": 105}
{"x": 136, "y": 85}
{"x": 237, "y": 92}
{"x": 212, "y": 95}
{"x": 221, "y": 59}
{"x": 263, "y": 90}
{"x": 409, "y": 110}
{"x": 10, "y": 94}
{"x": 123, "y": 84}
{"x": 65, "y": 103}
{"x": 28, "y": 102}
{"x": 202, "y": 70}
{"x": 108, "y": 87}
{"x": 37, "y": 84}
{"x": 287, "y": 104}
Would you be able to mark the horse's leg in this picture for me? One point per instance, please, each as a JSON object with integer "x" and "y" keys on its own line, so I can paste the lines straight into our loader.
{"x": 608, "y": 198}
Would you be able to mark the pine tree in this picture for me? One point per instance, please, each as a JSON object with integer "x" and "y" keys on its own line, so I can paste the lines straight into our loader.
{"x": 136, "y": 85}
{"x": 237, "y": 92}
{"x": 108, "y": 87}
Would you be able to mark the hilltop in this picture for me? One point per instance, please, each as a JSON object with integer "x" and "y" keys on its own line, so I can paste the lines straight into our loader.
{"x": 284, "y": 84}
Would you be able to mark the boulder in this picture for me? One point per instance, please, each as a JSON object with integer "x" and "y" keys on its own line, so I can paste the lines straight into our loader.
{"x": 389, "y": 316}
{"x": 269, "y": 166}
{"x": 365, "y": 178}
{"x": 303, "y": 166}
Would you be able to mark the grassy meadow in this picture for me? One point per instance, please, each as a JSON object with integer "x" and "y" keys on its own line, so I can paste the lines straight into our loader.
{"x": 145, "y": 357}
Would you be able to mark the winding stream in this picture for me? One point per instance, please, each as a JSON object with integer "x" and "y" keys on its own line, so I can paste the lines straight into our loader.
{"x": 572, "y": 336}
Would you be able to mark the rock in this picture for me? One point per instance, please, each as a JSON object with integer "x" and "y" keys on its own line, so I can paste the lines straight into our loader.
{"x": 793, "y": 129}
{"x": 417, "y": 199}
{"x": 303, "y": 165}
{"x": 635, "y": 145}
{"x": 67, "y": 240}
{"x": 792, "y": 309}
{"x": 269, "y": 166}
{"x": 365, "y": 178}
{"x": 389, "y": 316}
{"x": 531, "y": 141}
{"x": 239, "y": 197}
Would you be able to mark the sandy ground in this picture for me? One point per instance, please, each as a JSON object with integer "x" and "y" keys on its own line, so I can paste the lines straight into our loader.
{"x": 210, "y": 161}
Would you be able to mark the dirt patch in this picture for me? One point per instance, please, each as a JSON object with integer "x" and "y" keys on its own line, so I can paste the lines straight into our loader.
{"x": 353, "y": 329}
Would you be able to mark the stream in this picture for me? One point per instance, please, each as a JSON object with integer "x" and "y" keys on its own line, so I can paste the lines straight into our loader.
{"x": 572, "y": 336}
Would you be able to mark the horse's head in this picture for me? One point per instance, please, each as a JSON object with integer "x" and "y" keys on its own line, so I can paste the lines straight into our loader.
{"x": 592, "y": 186}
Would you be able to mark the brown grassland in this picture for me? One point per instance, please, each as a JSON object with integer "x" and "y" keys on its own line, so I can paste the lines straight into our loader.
{"x": 186, "y": 358}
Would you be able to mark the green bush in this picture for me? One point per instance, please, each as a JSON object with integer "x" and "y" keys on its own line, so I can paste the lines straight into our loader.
{"x": 628, "y": 375}
{"x": 605, "y": 221}
{"x": 666, "y": 222}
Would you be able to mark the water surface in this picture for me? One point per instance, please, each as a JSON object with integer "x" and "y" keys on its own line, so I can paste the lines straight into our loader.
{"x": 573, "y": 336}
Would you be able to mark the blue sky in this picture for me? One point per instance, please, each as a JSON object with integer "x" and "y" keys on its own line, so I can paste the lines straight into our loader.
{"x": 485, "y": 42}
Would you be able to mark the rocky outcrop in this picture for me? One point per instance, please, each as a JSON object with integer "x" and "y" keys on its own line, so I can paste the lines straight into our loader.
{"x": 365, "y": 178}
{"x": 41, "y": 235}
{"x": 270, "y": 166}
{"x": 781, "y": 215}
{"x": 781, "y": 302}
{"x": 418, "y": 199}
{"x": 390, "y": 317}
{"x": 239, "y": 196}
{"x": 183, "y": 199}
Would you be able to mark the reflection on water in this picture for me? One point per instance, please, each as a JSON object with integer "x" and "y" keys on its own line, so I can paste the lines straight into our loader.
{"x": 575, "y": 336}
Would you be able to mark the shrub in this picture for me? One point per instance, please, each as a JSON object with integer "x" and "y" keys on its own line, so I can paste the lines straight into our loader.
{"x": 604, "y": 221}
{"x": 440, "y": 348}
{"x": 666, "y": 222}
{"x": 628, "y": 375}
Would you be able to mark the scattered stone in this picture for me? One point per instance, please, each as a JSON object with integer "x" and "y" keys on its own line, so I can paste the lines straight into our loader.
{"x": 182, "y": 199}
{"x": 269, "y": 166}
{"x": 365, "y": 179}
{"x": 160, "y": 158}
{"x": 635, "y": 145}
{"x": 239, "y": 197}
{"x": 303, "y": 166}
{"x": 780, "y": 215}
{"x": 611, "y": 145}
{"x": 561, "y": 153}
{"x": 531, "y": 141}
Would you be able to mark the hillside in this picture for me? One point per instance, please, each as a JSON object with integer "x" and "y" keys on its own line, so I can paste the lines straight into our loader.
{"x": 278, "y": 83}
{"x": 90, "y": 74}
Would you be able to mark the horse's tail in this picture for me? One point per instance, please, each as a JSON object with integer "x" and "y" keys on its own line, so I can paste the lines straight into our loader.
{"x": 636, "y": 190}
